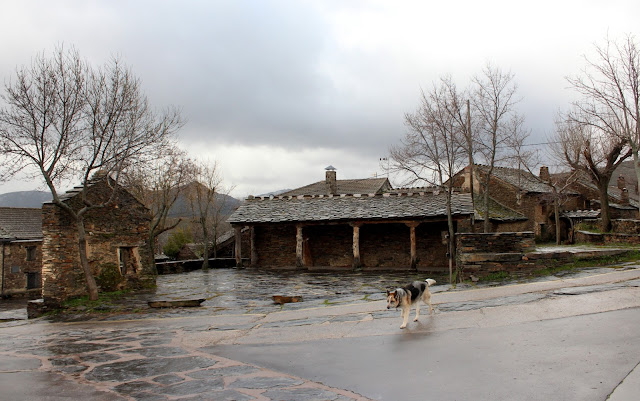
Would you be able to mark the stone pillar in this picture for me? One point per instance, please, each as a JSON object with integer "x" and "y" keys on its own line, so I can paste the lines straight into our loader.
{"x": 412, "y": 238}
{"x": 356, "y": 245}
{"x": 238, "y": 230}
{"x": 299, "y": 246}
{"x": 254, "y": 250}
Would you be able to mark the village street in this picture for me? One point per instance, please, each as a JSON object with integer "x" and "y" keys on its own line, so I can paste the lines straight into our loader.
{"x": 569, "y": 338}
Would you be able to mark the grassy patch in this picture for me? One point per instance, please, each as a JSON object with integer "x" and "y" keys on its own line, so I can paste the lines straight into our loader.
{"x": 496, "y": 276}
{"x": 103, "y": 304}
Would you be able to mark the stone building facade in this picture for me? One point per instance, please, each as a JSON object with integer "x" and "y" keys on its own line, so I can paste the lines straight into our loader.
{"x": 523, "y": 193}
{"x": 117, "y": 244}
{"x": 21, "y": 253}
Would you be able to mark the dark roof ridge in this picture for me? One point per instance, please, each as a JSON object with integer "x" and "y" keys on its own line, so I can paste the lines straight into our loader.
{"x": 331, "y": 196}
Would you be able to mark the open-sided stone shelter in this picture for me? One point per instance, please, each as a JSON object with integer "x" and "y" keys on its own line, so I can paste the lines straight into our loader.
{"x": 332, "y": 230}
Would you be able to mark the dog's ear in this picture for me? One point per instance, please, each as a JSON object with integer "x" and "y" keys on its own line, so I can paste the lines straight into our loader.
{"x": 388, "y": 293}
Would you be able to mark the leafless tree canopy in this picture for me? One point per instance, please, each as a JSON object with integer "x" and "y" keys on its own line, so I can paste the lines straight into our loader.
{"x": 64, "y": 120}
{"x": 601, "y": 130}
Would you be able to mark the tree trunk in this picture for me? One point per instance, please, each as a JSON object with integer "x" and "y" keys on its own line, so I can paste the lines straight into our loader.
{"x": 557, "y": 218}
{"x": 84, "y": 261}
{"x": 605, "y": 213}
{"x": 486, "y": 209}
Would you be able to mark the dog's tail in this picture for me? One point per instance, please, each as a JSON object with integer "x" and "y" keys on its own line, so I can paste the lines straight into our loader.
{"x": 430, "y": 282}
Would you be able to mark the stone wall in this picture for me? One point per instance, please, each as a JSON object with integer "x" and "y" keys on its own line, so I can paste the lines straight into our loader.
{"x": 275, "y": 246}
{"x": 117, "y": 241}
{"x": 607, "y": 238}
{"x": 625, "y": 226}
{"x": 22, "y": 262}
{"x": 479, "y": 254}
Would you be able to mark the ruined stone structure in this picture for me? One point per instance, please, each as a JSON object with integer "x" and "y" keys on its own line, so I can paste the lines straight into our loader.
{"x": 21, "y": 254}
{"x": 117, "y": 245}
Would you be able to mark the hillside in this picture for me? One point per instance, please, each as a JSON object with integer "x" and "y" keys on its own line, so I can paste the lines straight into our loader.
{"x": 30, "y": 199}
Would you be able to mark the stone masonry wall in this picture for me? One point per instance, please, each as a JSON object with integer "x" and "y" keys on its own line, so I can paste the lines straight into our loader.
{"x": 18, "y": 266}
{"x": 480, "y": 254}
{"x": 121, "y": 228}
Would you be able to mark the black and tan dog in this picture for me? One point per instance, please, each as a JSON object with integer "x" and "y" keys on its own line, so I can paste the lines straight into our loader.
{"x": 407, "y": 296}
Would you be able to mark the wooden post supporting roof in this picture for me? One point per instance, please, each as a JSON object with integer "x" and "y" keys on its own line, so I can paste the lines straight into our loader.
{"x": 254, "y": 250}
{"x": 412, "y": 238}
{"x": 356, "y": 245}
{"x": 299, "y": 245}
{"x": 238, "y": 230}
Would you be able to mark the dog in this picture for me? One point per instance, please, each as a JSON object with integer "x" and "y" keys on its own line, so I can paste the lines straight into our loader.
{"x": 407, "y": 296}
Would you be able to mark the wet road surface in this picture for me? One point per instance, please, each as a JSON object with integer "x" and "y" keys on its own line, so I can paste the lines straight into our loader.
{"x": 241, "y": 346}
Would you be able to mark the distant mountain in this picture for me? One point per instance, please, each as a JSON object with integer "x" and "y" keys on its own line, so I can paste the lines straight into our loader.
{"x": 31, "y": 199}
{"x": 182, "y": 206}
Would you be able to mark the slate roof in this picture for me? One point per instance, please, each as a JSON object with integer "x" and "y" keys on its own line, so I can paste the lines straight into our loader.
{"x": 497, "y": 211}
{"x": 287, "y": 209}
{"x": 518, "y": 178}
{"x": 20, "y": 223}
{"x": 357, "y": 186}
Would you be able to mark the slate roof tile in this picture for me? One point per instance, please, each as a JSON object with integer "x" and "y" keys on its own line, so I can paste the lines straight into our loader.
{"x": 283, "y": 209}
{"x": 20, "y": 223}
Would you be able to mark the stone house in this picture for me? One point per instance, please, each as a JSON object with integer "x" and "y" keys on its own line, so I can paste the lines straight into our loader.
{"x": 117, "y": 244}
{"x": 522, "y": 193}
{"x": 377, "y": 228}
{"x": 21, "y": 257}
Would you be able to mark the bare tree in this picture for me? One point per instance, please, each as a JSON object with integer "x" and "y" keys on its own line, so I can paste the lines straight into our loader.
{"x": 587, "y": 147}
{"x": 609, "y": 88}
{"x": 158, "y": 185}
{"x": 65, "y": 120}
{"x": 494, "y": 100}
{"x": 203, "y": 200}
{"x": 431, "y": 150}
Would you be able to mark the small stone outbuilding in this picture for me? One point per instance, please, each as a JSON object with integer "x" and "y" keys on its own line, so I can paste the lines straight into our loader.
{"x": 117, "y": 244}
{"x": 21, "y": 257}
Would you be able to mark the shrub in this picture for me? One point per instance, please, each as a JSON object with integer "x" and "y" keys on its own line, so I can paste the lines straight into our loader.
{"x": 177, "y": 239}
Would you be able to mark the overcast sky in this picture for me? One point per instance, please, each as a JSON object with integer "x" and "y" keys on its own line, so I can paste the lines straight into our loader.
{"x": 275, "y": 91}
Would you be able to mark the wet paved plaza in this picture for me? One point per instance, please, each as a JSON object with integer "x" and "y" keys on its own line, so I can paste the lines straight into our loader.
{"x": 168, "y": 354}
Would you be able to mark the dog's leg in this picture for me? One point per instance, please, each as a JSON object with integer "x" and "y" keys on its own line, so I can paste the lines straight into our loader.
{"x": 426, "y": 298}
{"x": 405, "y": 316}
{"x": 417, "y": 310}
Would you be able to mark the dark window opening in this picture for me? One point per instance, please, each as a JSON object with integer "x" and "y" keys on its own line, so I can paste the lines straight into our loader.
{"x": 33, "y": 280}
{"x": 31, "y": 253}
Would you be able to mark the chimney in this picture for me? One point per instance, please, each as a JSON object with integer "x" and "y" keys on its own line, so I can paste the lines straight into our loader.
{"x": 544, "y": 173}
{"x": 621, "y": 184}
{"x": 624, "y": 196}
{"x": 330, "y": 181}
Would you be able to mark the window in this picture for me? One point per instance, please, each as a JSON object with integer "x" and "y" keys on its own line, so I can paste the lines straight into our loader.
{"x": 15, "y": 269}
{"x": 31, "y": 253}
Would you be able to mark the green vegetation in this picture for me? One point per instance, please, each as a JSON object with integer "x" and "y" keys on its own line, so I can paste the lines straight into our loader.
{"x": 496, "y": 276}
{"x": 176, "y": 241}
{"x": 104, "y": 303}
{"x": 589, "y": 226}
{"x": 109, "y": 279}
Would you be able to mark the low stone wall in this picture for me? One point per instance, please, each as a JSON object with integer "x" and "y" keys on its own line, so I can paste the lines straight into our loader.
{"x": 479, "y": 254}
{"x": 606, "y": 238}
{"x": 625, "y": 226}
